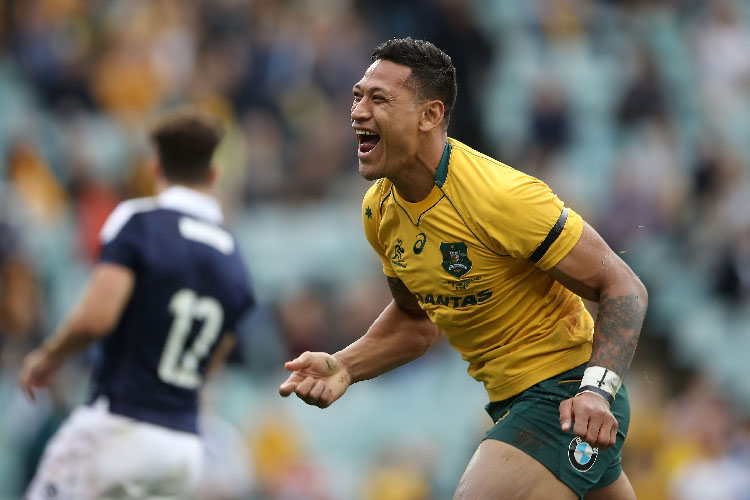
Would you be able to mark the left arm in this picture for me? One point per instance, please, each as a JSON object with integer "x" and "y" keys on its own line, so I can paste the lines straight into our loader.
{"x": 96, "y": 314}
{"x": 221, "y": 354}
{"x": 593, "y": 271}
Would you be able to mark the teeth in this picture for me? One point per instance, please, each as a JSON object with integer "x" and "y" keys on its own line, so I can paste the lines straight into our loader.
{"x": 364, "y": 132}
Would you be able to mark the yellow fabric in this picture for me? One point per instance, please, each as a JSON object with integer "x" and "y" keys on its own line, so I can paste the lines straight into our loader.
{"x": 511, "y": 321}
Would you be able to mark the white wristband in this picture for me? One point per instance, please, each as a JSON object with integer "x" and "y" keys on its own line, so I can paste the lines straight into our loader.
{"x": 601, "y": 378}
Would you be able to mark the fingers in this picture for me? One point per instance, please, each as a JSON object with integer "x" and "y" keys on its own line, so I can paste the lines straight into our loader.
{"x": 314, "y": 392}
{"x": 301, "y": 362}
{"x": 286, "y": 388}
{"x": 25, "y": 382}
{"x": 607, "y": 434}
{"x": 29, "y": 391}
{"x": 601, "y": 433}
{"x": 581, "y": 427}
{"x": 315, "y": 396}
{"x": 591, "y": 421}
{"x": 290, "y": 384}
{"x": 566, "y": 414}
{"x": 318, "y": 379}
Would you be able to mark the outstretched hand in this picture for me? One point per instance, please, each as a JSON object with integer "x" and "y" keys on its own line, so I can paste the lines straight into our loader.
{"x": 591, "y": 418}
{"x": 317, "y": 378}
{"x": 37, "y": 371}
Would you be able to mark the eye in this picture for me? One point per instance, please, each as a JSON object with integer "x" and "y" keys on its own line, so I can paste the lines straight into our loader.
{"x": 378, "y": 98}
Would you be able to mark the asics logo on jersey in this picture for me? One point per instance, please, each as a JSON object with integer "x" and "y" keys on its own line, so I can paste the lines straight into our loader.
{"x": 419, "y": 244}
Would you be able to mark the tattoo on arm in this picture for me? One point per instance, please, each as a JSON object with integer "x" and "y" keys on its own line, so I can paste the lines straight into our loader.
{"x": 618, "y": 325}
{"x": 404, "y": 298}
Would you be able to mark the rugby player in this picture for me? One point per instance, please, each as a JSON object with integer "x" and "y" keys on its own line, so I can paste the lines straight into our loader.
{"x": 492, "y": 258}
{"x": 163, "y": 301}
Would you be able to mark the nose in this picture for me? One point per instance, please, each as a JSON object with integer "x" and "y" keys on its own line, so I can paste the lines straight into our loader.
{"x": 360, "y": 110}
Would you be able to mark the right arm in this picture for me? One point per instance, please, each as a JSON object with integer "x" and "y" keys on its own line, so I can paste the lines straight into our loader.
{"x": 94, "y": 317}
{"x": 401, "y": 334}
{"x": 221, "y": 354}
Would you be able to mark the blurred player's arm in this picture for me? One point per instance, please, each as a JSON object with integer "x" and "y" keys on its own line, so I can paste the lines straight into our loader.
{"x": 221, "y": 354}
{"x": 401, "y": 333}
{"x": 18, "y": 299}
{"x": 95, "y": 315}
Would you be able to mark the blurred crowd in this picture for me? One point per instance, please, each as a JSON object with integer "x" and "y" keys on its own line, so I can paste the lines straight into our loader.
{"x": 636, "y": 112}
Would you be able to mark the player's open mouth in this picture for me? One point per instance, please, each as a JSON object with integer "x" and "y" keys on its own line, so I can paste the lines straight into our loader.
{"x": 367, "y": 141}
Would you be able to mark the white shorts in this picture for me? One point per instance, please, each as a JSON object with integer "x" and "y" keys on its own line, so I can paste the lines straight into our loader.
{"x": 98, "y": 455}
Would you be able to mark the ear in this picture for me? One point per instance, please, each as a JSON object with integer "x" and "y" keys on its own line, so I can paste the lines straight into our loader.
{"x": 213, "y": 175}
{"x": 154, "y": 169}
{"x": 432, "y": 115}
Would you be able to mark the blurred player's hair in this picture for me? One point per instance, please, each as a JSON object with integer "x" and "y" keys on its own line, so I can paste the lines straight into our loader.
{"x": 433, "y": 75}
{"x": 185, "y": 139}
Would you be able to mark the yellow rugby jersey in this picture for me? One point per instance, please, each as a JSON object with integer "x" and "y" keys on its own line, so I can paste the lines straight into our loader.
{"x": 474, "y": 254}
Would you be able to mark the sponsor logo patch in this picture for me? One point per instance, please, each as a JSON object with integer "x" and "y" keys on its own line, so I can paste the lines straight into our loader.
{"x": 581, "y": 454}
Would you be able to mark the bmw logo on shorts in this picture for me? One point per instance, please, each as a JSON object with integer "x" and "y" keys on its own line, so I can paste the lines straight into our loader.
{"x": 581, "y": 455}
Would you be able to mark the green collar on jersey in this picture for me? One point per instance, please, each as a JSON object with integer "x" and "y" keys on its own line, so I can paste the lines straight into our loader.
{"x": 442, "y": 170}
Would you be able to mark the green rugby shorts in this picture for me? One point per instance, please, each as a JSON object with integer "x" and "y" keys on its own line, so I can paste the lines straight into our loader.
{"x": 530, "y": 421}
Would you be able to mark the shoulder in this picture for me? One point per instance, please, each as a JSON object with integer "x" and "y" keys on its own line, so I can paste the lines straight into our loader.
{"x": 465, "y": 161}
{"x": 377, "y": 193}
{"x": 484, "y": 180}
{"x": 373, "y": 209}
{"x": 208, "y": 233}
{"x": 123, "y": 213}
{"x": 374, "y": 201}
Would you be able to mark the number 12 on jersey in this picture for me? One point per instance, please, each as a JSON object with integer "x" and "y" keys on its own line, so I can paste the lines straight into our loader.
{"x": 179, "y": 362}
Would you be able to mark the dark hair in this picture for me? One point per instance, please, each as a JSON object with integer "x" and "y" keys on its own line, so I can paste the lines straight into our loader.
{"x": 433, "y": 75}
{"x": 185, "y": 139}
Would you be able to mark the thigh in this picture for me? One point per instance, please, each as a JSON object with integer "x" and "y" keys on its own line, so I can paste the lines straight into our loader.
{"x": 621, "y": 489}
{"x": 64, "y": 470}
{"x": 499, "y": 470}
{"x": 98, "y": 455}
{"x": 147, "y": 461}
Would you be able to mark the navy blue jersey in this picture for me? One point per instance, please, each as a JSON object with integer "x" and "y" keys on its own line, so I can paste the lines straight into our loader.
{"x": 191, "y": 287}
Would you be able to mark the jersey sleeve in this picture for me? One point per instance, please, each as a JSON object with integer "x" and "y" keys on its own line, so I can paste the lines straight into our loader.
{"x": 122, "y": 238}
{"x": 371, "y": 218}
{"x": 248, "y": 306}
{"x": 531, "y": 222}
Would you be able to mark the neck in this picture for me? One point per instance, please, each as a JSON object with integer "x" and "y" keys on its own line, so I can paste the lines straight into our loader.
{"x": 415, "y": 180}
{"x": 163, "y": 184}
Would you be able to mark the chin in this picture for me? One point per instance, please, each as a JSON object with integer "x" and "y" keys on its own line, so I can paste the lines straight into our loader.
{"x": 369, "y": 172}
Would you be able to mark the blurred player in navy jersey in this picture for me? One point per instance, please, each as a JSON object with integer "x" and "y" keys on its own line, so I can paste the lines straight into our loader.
{"x": 164, "y": 299}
